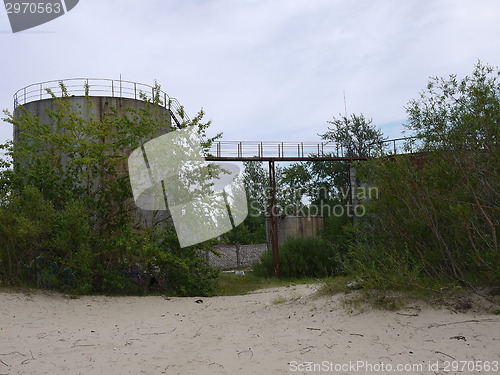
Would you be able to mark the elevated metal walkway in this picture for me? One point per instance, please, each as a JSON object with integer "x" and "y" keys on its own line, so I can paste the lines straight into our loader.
{"x": 300, "y": 151}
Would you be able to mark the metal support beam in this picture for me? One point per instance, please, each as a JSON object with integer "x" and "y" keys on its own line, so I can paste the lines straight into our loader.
{"x": 274, "y": 218}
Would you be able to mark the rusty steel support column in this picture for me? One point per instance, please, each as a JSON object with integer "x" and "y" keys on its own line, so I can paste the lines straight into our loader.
{"x": 274, "y": 218}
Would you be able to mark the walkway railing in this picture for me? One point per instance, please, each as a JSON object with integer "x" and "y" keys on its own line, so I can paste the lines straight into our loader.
{"x": 249, "y": 149}
{"x": 272, "y": 149}
{"x": 397, "y": 146}
{"x": 115, "y": 88}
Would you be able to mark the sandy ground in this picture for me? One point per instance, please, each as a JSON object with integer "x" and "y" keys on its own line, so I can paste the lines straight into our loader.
{"x": 252, "y": 334}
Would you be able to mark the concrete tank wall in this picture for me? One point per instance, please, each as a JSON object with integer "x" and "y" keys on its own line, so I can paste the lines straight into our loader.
{"x": 296, "y": 226}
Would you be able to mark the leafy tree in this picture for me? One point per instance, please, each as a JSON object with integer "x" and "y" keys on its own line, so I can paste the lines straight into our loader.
{"x": 460, "y": 119}
{"x": 256, "y": 180}
{"x": 355, "y": 135}
{"x": 294, "y": 185}
{"x": 253, "y": 228}
{"x": 438, "y": 212}
{"x": 453, "y": 114}
{"x": 327, "y": 184}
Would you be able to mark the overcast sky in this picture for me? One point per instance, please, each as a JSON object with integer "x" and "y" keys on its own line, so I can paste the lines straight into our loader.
{"x": 261, "y": 69}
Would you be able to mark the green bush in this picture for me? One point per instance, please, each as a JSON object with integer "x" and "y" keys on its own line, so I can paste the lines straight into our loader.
{"x": 179, "y": 271}
{"x": 300, "y": 257}
{"x": 381, "y": 268}
{"x": 340, "y": 233}
{"x": 426, "y": 219}
{"x": 49, "y": 248}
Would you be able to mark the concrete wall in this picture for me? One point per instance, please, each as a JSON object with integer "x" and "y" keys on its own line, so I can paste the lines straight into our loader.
{"x": 235, "y": 256}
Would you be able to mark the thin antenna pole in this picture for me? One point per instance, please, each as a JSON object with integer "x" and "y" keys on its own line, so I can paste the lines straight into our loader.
{"x": 345, "y": 106}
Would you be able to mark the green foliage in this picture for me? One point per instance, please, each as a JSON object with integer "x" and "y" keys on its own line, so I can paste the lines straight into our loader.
{"x": 437, "y": 213}
{"x": 294, "y": 184}
{"x": 39, "y": 242}
{"x": 317, "y": 183}
{"x": 327, "y": 184}
{"x": 340, "y": 233}
{"x": 181, "y": 271}
{"x": 377, "y": 267}
{"x": 300, "y": 257}
{"x": 256, "y": 180}
{"x": 67, "y": 217}
{"x": 253, "y": 228}
{"x": 251, "y": 231}
{"x": 453, "y": 114}
{"x": 355, "y": 135}
{"x": 264, "y": 267}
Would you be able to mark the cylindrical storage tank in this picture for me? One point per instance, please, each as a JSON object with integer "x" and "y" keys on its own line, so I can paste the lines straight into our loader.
{"x": 296, "y": 226}
{"x": 95, "y": 99}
